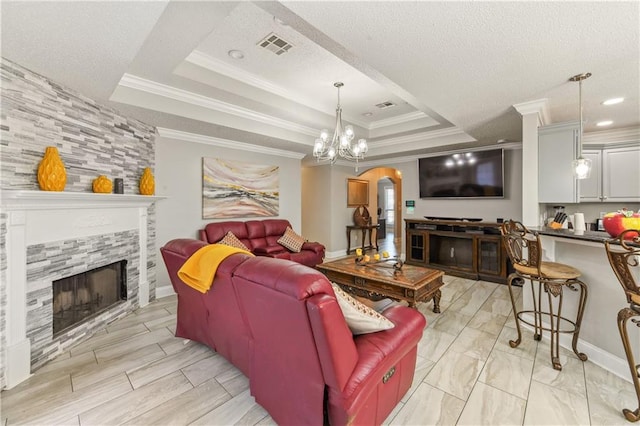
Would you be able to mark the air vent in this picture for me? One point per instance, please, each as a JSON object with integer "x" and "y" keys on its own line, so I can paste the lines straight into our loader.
{"x": 385, "y": 104}
{"x": 275, "y": 44}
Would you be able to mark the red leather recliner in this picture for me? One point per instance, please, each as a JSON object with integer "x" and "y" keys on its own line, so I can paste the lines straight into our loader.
{"x": 261, "y": 237}
{"x": 280, "y": 324}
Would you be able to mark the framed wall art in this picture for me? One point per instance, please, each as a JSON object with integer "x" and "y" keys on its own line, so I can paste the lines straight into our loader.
{"x": 233, "y": 189}
{"x": 357, "y": 192}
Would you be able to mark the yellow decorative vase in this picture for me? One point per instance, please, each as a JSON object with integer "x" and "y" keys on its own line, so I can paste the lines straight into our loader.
{"x": 51, "y": 173}
{"x": 147, "y": 184}
{"x": 102, "y": 185}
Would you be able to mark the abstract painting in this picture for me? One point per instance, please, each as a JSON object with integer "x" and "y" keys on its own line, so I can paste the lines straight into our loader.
{"x": 232, "y": 189}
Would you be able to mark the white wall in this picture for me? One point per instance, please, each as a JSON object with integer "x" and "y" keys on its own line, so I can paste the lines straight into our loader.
{"x": 178, "y": 176}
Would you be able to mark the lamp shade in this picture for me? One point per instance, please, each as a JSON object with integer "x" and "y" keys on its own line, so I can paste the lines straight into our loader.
{"x": 581, "y": 168}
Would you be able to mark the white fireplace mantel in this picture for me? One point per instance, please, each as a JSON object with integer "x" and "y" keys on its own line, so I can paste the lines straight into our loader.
{"x": 15, "y": 199}
{"x": 30, "y": 215}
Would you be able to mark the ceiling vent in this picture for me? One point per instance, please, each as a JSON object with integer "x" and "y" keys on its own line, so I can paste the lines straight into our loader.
{"x": 385, "y": 105}
{"x": 275, "y": 44}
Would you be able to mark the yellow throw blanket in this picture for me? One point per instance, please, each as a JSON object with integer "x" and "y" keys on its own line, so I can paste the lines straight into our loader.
{"x": 198, "y": 271}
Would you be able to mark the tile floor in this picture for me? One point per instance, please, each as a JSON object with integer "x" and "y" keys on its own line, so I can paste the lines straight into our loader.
{"x": 136, "y": 372}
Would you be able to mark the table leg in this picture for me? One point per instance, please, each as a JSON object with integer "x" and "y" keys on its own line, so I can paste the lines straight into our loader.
{"x": 436, "y": 301}
{"x": 348, "y": 241}
{"x": 375, "y": 239}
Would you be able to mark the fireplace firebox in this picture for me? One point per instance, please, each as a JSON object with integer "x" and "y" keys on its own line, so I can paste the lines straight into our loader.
{"x": 82, "y": 296}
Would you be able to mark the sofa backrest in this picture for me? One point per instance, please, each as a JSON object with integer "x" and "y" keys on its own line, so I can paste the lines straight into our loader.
{"x": 214, "y": 232}
{"x": 273, "y": 295}
{"x": 229, "y": 337}
{"x": 252, "y": 233}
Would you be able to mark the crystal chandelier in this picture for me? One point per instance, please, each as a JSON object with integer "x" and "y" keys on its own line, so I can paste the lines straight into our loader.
{"x": 342, "y": 143}
{"x": 581, "y": 166}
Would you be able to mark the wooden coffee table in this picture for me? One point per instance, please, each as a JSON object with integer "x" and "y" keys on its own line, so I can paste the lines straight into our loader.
{"x": 379, "y": 280}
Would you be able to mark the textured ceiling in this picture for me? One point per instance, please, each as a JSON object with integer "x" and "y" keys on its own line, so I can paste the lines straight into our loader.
{"x": 454, "y": 69}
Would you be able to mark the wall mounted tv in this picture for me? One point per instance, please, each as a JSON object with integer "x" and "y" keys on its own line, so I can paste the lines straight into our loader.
{"x": 475, "y": 174}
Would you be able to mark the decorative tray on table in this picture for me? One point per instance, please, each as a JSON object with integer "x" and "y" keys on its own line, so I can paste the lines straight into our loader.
{"x": 386, "y": 261}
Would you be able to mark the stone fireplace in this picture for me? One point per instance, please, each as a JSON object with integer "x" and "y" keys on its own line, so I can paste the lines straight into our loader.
{"x": 79, "y": 297}
{"x": 53, "y": 237}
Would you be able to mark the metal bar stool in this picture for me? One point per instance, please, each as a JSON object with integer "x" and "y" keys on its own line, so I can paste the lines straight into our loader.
{"x": 624, "y": 257}
{"x": 525, "y": 252}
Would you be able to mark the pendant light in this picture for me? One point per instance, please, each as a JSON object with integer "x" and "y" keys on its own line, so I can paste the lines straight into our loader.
{"x": 581, "y": 166}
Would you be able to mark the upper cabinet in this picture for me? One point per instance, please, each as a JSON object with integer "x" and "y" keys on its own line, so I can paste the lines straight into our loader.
{"x": 591, "y": 188}
{"x": 557, "y": 147}
{"x": 615, "y": 176}
{"x": 621, "y": 174}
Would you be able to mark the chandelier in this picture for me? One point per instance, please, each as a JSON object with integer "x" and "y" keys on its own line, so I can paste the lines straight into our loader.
{"x": 581, "y": 166}
{"x": 342, "y": 143}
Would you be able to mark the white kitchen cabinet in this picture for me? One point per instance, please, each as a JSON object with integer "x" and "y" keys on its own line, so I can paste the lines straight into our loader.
{"x": 621, "y": 174}
{"x": 615, "y": 176}
{"x": 591, "y": 188}
{"x": 557, "y": 147}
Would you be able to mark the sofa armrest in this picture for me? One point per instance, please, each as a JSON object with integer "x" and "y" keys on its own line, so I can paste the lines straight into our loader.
{"x": 377, "y": 352}
{"x": 314, "y": 246}
{"x": 267, "y": 250}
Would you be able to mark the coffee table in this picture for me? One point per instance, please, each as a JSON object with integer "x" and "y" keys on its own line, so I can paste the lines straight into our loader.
{"x": 379, "y": 280}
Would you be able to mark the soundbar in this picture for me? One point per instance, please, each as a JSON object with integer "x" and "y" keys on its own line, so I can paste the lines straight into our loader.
{"x": 461, "y": 219}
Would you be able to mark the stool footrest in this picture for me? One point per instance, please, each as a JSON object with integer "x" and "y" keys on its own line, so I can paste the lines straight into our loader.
{"x": 572, "y": 330}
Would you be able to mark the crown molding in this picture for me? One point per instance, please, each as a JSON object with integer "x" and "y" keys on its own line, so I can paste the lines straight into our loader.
{"x": 226, "y": 143}
{"x": 400, "y": 119}
{"x": 418, "y": 137}
{"x": 149, "y": 86}
{"x": 539, "y": 107}
{"x": 212, "y": 64}
{"x": 627, "y": 134}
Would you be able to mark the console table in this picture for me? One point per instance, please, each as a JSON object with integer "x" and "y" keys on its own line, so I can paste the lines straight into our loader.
{"x": 462, "y": 248}
{"x": 364, "y": 229}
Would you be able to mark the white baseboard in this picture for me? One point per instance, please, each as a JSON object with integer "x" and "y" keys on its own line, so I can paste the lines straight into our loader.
{"x": 164, "y": 291}
{"x": 335, "y": 254}
{"x": 598, "y": 356}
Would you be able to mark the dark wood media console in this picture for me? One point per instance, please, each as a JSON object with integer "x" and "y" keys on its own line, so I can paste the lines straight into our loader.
{"x": 462, "y": 248}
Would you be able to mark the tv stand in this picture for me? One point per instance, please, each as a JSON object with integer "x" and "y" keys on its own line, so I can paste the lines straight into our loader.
{"x": 459, "y": 247}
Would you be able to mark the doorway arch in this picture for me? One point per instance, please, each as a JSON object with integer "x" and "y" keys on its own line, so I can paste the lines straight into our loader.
{"x": 395, "y": 176}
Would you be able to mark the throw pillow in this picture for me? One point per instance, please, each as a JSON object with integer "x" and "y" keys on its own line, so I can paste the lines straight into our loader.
{"x": 291, "y": 240}
{"x": 360, "y": 318}
{"x": 231, "y": 240}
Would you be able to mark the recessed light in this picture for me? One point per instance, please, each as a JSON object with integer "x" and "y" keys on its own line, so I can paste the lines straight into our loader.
{"x": 236, "y": 54}
{"x": 604, "y": 123}
{"x": 613, "y": 101}
{"x": 280, "y": 22}
{"x": 368, "y": 114}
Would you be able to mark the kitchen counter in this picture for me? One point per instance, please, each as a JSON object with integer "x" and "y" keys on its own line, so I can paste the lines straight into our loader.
{"x": 592, "y": 236}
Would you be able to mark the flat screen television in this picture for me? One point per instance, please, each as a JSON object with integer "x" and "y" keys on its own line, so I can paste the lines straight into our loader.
{"x": 476, "y": 174}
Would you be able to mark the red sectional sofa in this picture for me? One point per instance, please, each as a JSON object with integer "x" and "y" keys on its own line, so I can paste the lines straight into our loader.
{"x": 280, "y": 324}
{"x": 261, "y": 237}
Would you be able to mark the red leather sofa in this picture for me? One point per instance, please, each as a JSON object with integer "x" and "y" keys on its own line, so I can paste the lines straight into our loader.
{"x": 261, "y": 237}
{"x": 280, "y": 324}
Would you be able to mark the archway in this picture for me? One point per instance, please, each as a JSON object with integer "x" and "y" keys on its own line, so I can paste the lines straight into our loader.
{"x": 395, "y": 176}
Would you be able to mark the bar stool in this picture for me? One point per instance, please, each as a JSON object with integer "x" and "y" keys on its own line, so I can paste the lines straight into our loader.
{"x": 525, "y": 252}
{"x": 625, "y": 260}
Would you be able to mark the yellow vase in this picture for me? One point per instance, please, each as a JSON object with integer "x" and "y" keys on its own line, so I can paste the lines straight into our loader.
{"x": 102, "y": 184}
{"x": 51, "y": 173}
{"x": 147, "y": 184}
